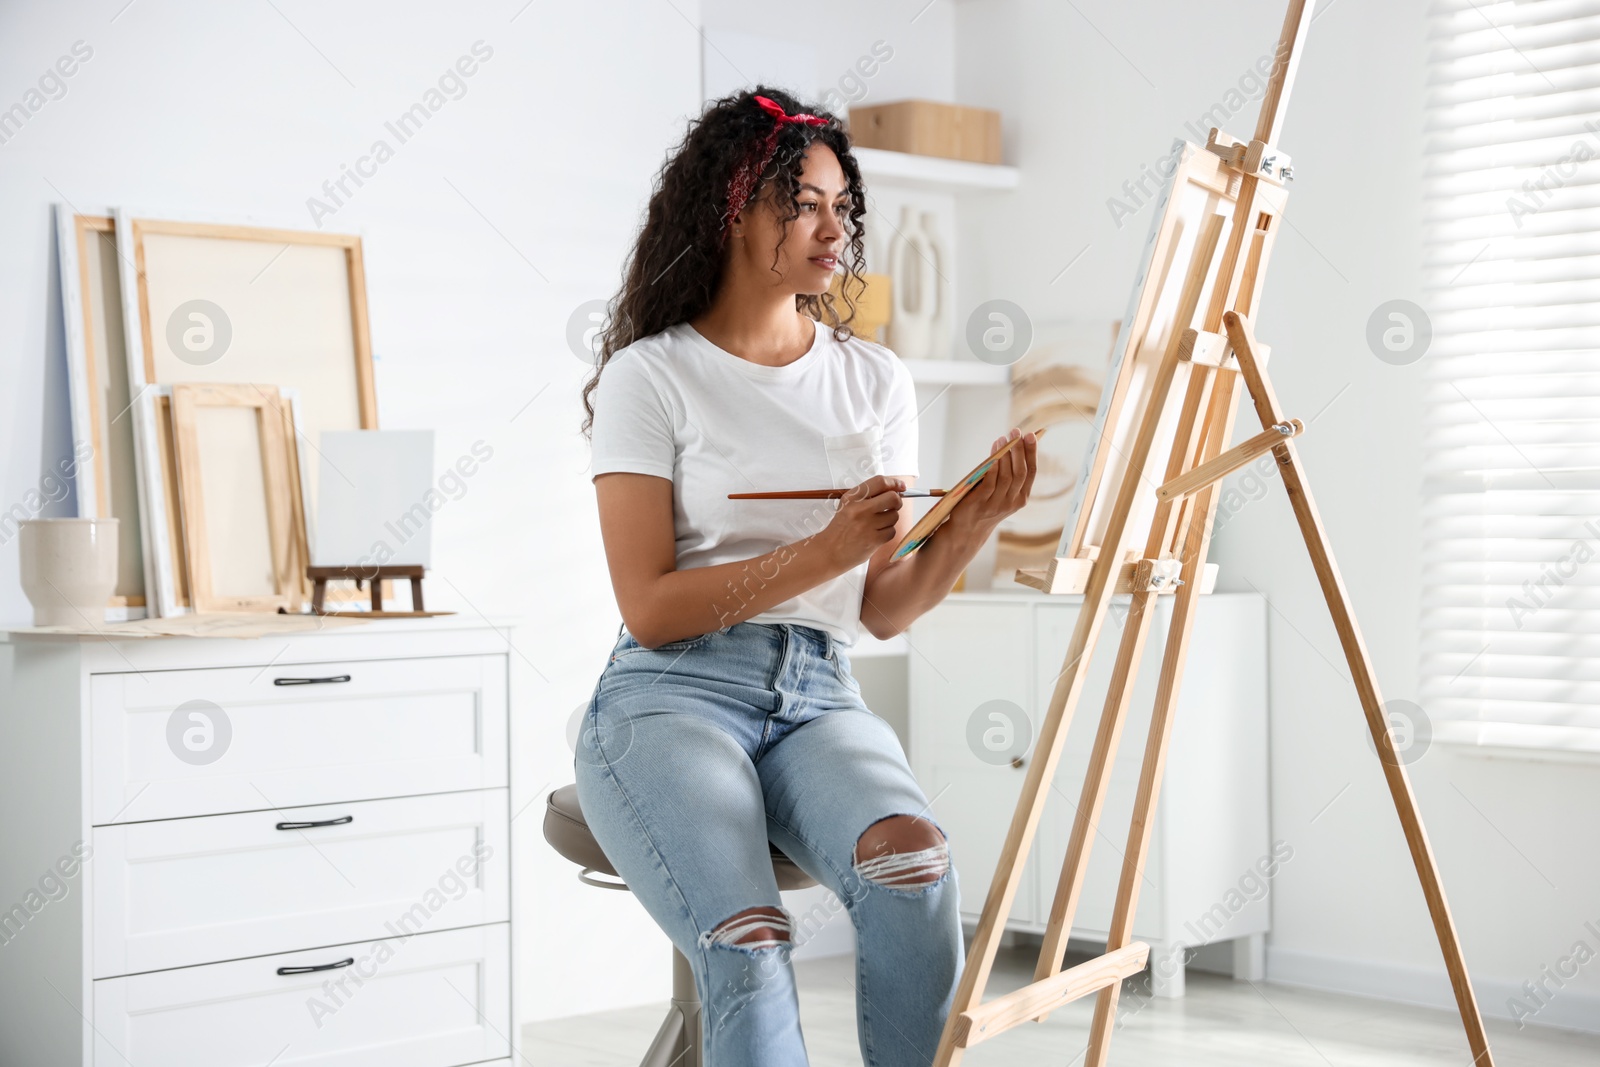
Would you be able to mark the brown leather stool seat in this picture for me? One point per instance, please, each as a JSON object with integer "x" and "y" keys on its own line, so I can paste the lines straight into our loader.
{"x": 568, "y": 833}
{"x": 677, "y": 1043}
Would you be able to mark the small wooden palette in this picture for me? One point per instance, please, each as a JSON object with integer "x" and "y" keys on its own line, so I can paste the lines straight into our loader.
{"x": 941, "y": 511}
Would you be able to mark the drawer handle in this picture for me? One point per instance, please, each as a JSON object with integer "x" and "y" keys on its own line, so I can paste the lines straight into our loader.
{"x": 340, "y": 821}
{"x": 318, "y": 967}
{"x": 311, "y": 681}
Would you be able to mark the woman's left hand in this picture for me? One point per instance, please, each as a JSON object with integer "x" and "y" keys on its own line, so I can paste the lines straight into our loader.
{"x": 1002, "y": 490}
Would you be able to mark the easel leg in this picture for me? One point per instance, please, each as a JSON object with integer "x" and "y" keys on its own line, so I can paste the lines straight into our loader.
{"x": 1197, "y": 538}
{"x": 1188, "y": 442}
{"x": 1091, "y": 799}
{"x": 1405, "y": 801}
{"x": 1052, "y": 735}
{"x": 1155, "y": 753}
{"x": 1366, "y": 682}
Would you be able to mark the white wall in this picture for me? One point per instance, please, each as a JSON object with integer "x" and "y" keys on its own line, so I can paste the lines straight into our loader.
{"x": 1090, "y": 92}
{"x": 838, "y": 34}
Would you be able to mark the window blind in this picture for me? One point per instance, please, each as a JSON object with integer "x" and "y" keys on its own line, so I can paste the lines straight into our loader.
{"x": 1511, "y": 511}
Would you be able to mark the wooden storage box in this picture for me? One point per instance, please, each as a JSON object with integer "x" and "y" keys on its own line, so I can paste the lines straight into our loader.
{"x": 929, "y": 128}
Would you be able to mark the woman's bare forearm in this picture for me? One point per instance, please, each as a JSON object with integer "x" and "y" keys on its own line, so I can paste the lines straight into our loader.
{"x": 681, "y": 604}
{"x": 904, "y": 590}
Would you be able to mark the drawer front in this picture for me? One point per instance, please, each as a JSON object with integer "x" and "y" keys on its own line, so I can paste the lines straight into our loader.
{"x": 426, "y": 1001}
{"x": 169, "y": 744}
{"x": 186, "y": 891}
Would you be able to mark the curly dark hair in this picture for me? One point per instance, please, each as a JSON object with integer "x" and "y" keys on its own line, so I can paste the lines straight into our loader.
{"x": 676, "y": 263}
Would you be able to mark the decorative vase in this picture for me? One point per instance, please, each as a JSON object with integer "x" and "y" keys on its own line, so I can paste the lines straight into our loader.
{"x": 69, "y": 569}
{"x": 915, "y": 288}
{"x": 940, "y": 320}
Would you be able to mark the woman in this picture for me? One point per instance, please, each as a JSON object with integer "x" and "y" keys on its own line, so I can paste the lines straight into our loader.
{"x": 727, "y": 715}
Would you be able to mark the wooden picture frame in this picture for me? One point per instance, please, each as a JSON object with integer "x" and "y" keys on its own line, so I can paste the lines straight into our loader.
{"x": 293, "y": 313}
{"x": 299, "y": 485}
{"x": 238, "y": 496}
{"x": 105, "y": 469}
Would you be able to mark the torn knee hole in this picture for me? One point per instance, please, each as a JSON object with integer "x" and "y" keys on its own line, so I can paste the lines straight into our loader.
{"x": 763, "y": 927}
{"x": 902, "y": 851}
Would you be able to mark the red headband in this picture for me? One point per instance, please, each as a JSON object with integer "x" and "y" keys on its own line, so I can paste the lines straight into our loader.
{"x": 748, "y": 172}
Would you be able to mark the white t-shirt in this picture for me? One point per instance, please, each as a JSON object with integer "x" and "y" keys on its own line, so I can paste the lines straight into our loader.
{"x": 676, "y": 406}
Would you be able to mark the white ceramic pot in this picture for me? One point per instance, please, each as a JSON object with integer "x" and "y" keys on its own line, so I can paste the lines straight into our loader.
{"x": 69, "y": 569}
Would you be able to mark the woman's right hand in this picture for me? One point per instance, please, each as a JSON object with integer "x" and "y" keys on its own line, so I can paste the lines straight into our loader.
{"x": 865, "y": 520}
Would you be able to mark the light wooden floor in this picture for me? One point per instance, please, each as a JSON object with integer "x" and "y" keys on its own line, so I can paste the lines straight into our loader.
{"x": 1221, "y": 1023}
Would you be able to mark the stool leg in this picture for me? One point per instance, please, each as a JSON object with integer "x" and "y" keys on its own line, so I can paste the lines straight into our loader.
{"x": 666, "y": 1049}
{"x": 686, "y": 998}
{"x": 677, "y": 1043}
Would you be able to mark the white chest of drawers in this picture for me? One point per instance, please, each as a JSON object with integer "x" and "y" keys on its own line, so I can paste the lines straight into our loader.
{"x": 289, "y": 850}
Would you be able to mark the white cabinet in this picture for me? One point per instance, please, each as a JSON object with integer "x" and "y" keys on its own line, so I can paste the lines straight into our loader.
{"x": 281, "y": 849}
{"x": 989, "y": 661}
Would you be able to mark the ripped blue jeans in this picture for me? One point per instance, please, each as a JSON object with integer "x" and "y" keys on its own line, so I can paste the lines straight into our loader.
{"x": 692, "y": 757}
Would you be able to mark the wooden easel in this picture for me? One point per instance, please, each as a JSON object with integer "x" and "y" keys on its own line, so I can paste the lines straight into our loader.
{"x": 1209, "y": 362}
{"x": 374, "y": 575}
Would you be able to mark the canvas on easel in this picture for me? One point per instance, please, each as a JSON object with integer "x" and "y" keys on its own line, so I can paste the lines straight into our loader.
{"x": 1192, "y": 222}
{"x": 1185, "y": 351}
{"x": 376, "y": 499}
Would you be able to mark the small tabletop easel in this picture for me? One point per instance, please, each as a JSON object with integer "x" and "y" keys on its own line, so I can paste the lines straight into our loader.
{"x": 374, "y": 575}
{"x": 1234, "y": 189}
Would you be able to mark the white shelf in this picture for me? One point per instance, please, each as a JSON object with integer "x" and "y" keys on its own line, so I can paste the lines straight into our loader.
{"x": 956, "y": 372}
{"x": 933, "y": 172}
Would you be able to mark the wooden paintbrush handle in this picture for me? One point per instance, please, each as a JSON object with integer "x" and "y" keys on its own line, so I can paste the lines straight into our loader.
{"x": 815, "y": 494}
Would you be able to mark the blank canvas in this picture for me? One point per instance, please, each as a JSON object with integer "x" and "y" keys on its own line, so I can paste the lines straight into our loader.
{"x": 375, "y": 498}
{"x": 1197, "y": 193}
{"x": 289, "y": 311}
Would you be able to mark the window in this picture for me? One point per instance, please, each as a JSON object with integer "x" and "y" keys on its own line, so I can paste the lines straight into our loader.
{"x": 1511, "y": 521}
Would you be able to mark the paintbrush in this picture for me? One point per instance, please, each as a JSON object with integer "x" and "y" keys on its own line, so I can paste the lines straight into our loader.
{"x": 830, "y": 494}
{"x": 823, "y": 494}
